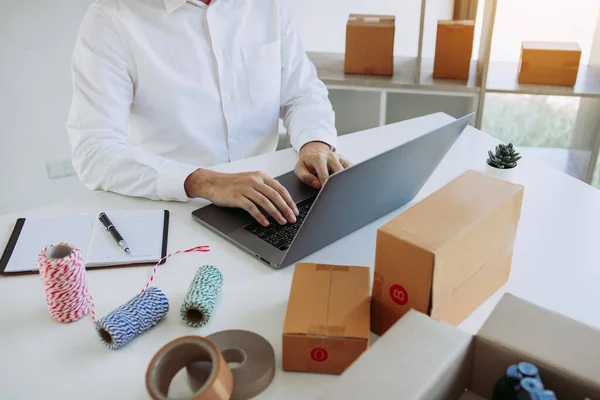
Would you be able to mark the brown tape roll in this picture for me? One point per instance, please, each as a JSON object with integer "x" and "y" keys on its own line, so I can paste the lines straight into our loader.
{"x": 253, "y": 354}
{"x": 177, "y": 354}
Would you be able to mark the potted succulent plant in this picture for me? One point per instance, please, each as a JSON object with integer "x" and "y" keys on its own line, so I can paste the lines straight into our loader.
{"x": 503, "y": 161}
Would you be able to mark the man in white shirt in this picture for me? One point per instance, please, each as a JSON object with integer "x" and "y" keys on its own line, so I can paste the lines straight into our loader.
{"x": 163, "y": 88}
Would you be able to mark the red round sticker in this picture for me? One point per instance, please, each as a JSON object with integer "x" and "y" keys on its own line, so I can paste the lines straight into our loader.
{"x": 319, "y": 354}
{"x": 398, "y": 294}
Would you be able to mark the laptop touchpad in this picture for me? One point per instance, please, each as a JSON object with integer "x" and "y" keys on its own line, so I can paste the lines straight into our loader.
{"x": 225, "y": 220}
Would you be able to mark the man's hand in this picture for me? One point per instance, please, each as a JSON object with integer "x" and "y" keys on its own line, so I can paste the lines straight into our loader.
{"x": 244, "y": 190}
{"x": 316, "y": 162}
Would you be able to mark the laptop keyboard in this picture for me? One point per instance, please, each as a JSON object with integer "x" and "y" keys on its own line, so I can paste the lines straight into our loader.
{"x": 281, "y": 236}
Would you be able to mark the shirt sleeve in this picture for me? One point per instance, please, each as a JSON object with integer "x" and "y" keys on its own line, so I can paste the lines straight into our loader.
{"x": 305, "y": 107}
{"x": 103, "y": 155}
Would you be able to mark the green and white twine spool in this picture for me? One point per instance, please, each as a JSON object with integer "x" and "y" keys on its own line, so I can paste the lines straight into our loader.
{"x": 201, "y": 297}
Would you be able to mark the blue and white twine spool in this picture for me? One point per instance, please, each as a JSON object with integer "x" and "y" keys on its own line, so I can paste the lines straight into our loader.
{"x": 201, "y": 297}
{"x": 131, "y": 319}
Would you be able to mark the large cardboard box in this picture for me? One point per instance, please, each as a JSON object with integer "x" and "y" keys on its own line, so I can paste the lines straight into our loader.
{"x": 370, "y": 44}
{"x": 327, "y": 320}
{"x": 453, "y": 48}
{"x": 420, "y": 358}
{"x": 549, "y": 63}
{"x": 448, "y": 253}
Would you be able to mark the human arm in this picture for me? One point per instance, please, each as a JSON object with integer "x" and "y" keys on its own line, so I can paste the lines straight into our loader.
{"x": 103, "y": 88}
{"x": 305, "y": 109}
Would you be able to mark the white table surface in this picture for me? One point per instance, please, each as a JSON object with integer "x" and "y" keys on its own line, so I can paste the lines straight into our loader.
{"x": 555, "y": 265}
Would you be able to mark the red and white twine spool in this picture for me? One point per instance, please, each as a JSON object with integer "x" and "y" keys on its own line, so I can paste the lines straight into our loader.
{"x": 64, "y": 277}
{"x": 63, "y": 273}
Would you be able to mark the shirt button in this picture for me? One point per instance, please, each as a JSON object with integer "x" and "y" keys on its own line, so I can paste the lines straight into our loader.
{"x": 219, "y": 52}
{"x": 226, "y": 97}
{"x": 233, "y": 140}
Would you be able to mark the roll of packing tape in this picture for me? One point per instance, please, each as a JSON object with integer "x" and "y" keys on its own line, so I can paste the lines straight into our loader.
{"x": 177, "y": 354}
{"x": 255, "y": 359}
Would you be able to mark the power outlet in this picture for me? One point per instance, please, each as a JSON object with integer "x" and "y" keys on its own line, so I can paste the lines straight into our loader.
{"x": 59, "y": 168}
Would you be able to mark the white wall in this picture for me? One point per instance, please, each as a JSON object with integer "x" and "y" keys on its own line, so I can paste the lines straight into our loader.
{"x": 518, "y": 20}
{"x": 36, "y": 40}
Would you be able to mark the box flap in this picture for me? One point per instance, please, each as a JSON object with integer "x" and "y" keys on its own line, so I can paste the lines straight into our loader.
{"x": 557, "y": 46}
{"x": 371, "y": 20}
{"x": 329, "y": 300}
{"x": 349, "y": 302}
{"x": 473, "y": 292}
{"x": 487, "y": 244}
{"x": 417, "y": 358}
{"x": 558, "y": 342}
{"x": 447, "y": 212}
{"x": 307, "y": 305}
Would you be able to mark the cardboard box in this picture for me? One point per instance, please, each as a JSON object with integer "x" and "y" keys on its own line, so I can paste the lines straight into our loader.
{"x": 453, "y": 48}
{"x": 327, "y": 320}
{"x": 370, "y": 44}
{"x": 448, "y": 253}
{"x": 420, "y": 358}
{"x": 549, "y": 63}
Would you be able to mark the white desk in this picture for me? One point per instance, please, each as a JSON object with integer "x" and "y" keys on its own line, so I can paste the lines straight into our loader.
{"x": 555, "y": 265}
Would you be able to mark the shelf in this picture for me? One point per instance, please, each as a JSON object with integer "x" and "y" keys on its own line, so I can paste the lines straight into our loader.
{"x": 347, "y": 119}
{"x": 454, "y": 85}
{"x": 330, "y": 69}
{"x": 502, "y": 78}
{"x": 402, "y": 106}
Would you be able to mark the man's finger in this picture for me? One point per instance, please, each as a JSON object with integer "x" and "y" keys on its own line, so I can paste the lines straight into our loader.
{"x": 345, "y": 163}
{"x": 263, "y": 202}
{"x": 320, "y": 166}
{"x": 306, "y": 176}
{"x": 334, "y": 164}
{"x": 284, "y": 195}
{"x": 274, "y": 197}
{"x": 249, "y": 206}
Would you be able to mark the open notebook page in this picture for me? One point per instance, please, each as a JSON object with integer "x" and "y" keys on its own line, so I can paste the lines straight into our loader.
{"x": 143, "y": 232}
{"x": 39, "y": 232}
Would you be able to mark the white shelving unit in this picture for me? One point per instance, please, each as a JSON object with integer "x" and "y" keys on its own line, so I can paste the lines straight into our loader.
{"x": 502, "y": 78}
{"x": 383, "y": 100}
{"x": 412, "y": 91}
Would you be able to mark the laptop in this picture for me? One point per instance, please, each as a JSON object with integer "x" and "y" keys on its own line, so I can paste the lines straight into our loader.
{"x": 349, "y": 200}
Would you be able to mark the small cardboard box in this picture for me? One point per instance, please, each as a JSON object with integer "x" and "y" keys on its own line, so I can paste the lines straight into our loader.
{"x": 420, "y": 358}
{"x": 327, "y": 320}
{"x": 448, "y": 253}
{"x": 549, "y": 63}
{"x": 370, "y": 44}
{"x": 453, "y": 48}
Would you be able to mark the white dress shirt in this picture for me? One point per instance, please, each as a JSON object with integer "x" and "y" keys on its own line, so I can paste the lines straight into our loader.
{"x": 163, "y": 87}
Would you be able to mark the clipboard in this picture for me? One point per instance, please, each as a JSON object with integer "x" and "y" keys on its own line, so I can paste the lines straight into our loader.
{"x": 146, "y": 232}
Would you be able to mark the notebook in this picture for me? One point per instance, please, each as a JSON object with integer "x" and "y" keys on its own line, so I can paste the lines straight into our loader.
{"x": 146, "y": 234}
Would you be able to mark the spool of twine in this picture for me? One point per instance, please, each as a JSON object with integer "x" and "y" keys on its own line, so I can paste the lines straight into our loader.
{"x": 202, "y": 295}
{"x": 64, "y": 277}
{"x": 133, "y": 318}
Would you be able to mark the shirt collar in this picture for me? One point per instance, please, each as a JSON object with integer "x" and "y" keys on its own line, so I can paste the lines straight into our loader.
{"x": 173, "y": 5}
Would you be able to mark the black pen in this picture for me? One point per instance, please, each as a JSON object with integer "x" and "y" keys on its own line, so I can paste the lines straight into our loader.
{"x": 113, "y": 231}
